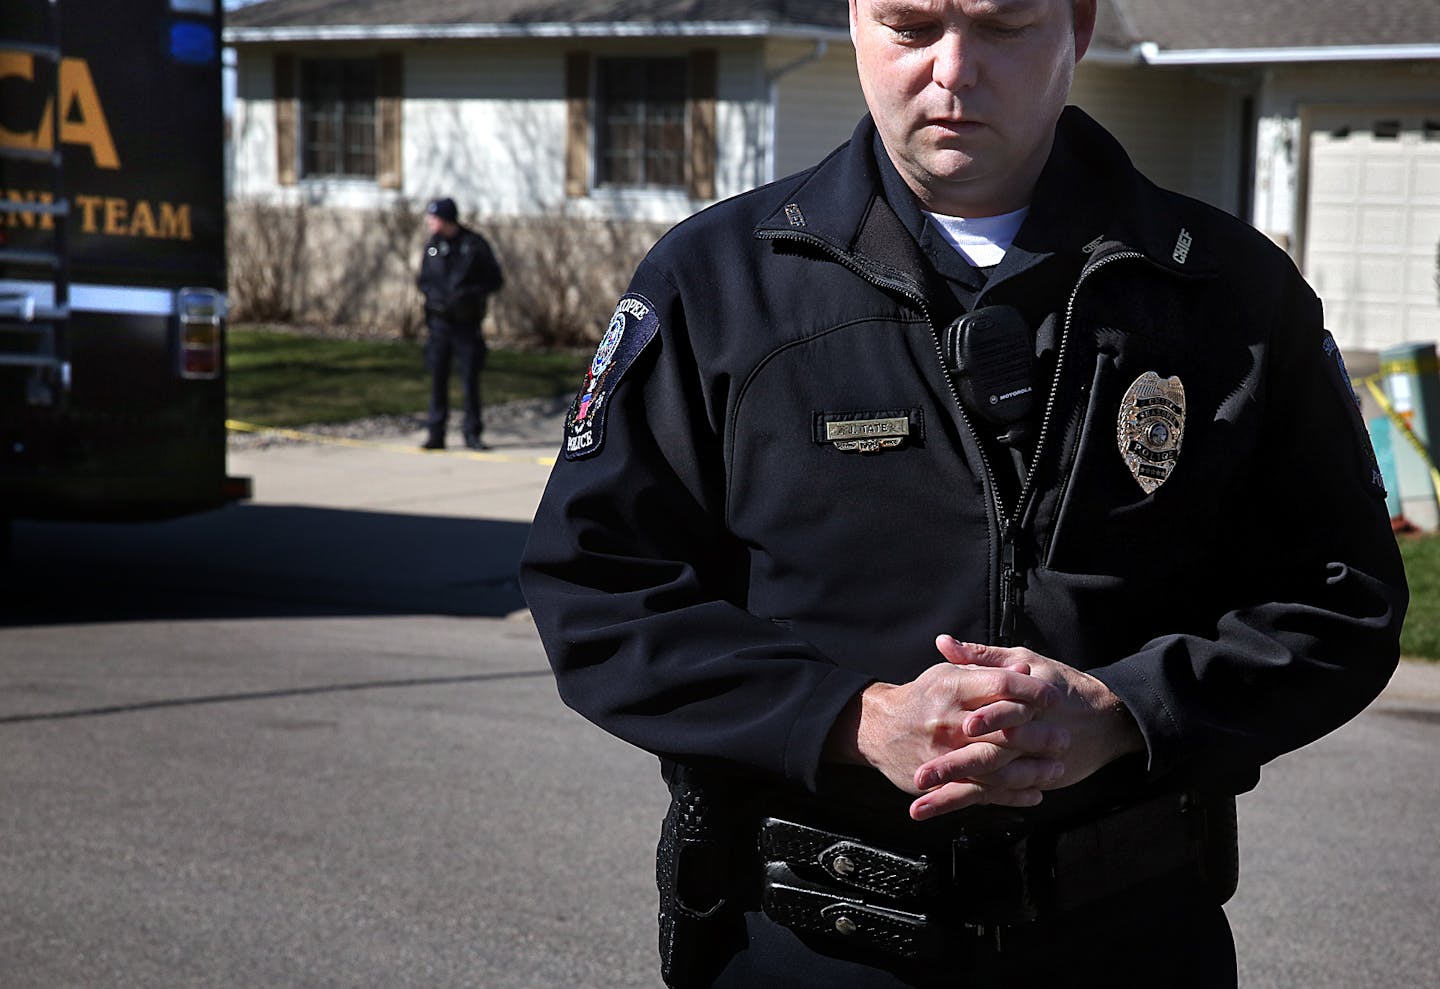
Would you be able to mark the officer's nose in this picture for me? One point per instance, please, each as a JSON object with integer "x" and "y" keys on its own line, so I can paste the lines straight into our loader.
{"x": 954, "y": 67}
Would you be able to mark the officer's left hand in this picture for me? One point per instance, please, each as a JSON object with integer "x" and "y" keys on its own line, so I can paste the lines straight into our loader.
{"x": 1100, "y": 728}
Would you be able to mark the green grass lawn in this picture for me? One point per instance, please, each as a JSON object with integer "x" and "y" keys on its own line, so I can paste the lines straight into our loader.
{"x": 1421, "y": 638}
{"x": 288, "y": 379}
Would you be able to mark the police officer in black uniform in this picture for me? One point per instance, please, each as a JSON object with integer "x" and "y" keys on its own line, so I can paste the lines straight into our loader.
{"x": 458, "y": 271}
{"x": 963, "y": 522}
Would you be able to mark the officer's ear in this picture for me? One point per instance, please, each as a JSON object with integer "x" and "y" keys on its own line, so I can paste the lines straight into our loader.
{"x": 1084, "y": 13}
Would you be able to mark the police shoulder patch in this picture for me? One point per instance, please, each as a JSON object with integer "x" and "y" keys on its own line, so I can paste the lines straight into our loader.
{"x": 631, "y": 328}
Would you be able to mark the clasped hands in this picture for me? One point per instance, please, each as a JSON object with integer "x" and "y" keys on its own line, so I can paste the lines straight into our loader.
{"x": 990, "y": 725}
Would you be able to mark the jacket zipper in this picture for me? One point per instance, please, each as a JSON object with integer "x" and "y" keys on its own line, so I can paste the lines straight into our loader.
{"x": 1012, "y": 585}
{"x": 1012, "y": 568}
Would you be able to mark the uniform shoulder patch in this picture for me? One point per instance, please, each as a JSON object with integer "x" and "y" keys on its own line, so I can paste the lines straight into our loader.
{"x": 631, "y": 328}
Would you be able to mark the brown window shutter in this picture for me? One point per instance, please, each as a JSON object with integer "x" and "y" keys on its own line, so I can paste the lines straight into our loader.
{"x": 286, "y": 119}
{"x": 577, "y": 123}
{"x": 390, "y": 114}
{"x": 703, "y": 76}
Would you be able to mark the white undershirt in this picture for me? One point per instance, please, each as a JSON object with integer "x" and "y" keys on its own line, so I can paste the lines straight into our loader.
{"x": 984, "y": 240}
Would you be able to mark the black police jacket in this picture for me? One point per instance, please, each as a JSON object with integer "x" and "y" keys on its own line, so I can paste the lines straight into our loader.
{"x": 456, "y": 275}
{"x": 716, "y": 570}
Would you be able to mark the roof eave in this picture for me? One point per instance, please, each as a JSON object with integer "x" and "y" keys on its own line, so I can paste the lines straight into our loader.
{"x": 1105, "y": 55}
{"x": 470, "y": 32}
{"x": 1152, "y": 54}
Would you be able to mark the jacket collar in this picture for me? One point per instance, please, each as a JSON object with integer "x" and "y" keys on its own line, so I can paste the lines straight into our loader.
{"x": 1089, "y": 195}
{"x": 1125, "y": 210}
{"x": 833, "y": 199}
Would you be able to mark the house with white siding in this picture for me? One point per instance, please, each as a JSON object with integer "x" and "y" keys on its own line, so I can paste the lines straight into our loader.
{"x": 1316, "y": 121}
{"x": 1320, "y": 127}
{"x": 643, "y": 110}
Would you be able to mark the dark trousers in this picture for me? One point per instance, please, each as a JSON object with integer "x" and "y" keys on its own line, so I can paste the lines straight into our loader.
{"x": 464, "y": 347}
{"x": 1179, "y": 945}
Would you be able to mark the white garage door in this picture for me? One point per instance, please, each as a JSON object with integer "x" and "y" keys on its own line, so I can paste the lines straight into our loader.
{"x": 1373, "y": 222}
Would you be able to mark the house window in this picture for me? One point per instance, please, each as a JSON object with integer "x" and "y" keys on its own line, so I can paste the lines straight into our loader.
{"x": 640, "y": 122}
{"x": 338, "y": 102}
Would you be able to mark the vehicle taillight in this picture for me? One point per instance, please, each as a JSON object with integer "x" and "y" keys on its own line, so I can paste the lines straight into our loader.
{"x": 202, "y": 321}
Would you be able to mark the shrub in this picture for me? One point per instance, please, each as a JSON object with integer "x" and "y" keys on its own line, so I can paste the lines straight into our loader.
{"x": 353, "y": 271}
{"x": 562, "y": 276}
{"x": 266, "y": 247}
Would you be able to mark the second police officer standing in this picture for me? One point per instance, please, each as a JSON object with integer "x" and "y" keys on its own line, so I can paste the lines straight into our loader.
{"x": 458, "y": 272}
{"x": 963, "y": 522}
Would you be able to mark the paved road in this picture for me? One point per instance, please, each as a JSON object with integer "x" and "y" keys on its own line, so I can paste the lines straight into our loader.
{"x": 1339, "y": 864}
{"x": 312, "y": 741}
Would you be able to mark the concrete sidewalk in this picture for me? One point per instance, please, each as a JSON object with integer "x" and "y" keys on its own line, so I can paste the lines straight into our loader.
{"x": 1415, "y": 684}
{"x": 390, "y": 473}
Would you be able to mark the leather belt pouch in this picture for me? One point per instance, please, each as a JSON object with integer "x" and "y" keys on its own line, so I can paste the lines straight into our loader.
{"x": 810, "y": 908}
{"x": 897, "y": 901}
{"x": 700, "y": 923}
{"x": 852, "y": 863}
{"x": 1172, "y": 838}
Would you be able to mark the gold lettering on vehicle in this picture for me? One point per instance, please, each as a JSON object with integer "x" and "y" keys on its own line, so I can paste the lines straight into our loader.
{"x": 82, "y": 116}
{"x": 112, "y": 216}
{"x": 83, "y": 124}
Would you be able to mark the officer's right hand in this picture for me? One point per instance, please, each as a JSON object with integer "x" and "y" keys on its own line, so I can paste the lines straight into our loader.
{"x": 897, "y": 728}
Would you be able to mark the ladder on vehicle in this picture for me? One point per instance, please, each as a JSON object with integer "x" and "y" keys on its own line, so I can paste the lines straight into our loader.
{"x": 35, "y": 280}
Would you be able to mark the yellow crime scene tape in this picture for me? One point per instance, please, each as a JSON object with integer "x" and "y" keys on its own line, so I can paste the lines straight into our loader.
{"x": 1372, "y": 382}
{"x": 1413, "y": 366}
{"x": 237, "y": 426}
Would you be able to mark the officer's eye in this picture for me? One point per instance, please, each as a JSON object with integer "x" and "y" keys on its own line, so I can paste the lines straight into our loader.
{"x": 1004, "y": 31}
{"x": 912, "y": 33}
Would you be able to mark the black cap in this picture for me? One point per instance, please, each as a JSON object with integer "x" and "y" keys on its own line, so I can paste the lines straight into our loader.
{"x": 444, "y": 209}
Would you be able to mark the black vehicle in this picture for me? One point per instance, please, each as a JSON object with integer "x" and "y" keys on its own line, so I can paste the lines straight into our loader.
{"x": 112, "y": 260}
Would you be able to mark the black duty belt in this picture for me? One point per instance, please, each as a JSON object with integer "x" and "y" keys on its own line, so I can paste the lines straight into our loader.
{"x": 998, "y": 886}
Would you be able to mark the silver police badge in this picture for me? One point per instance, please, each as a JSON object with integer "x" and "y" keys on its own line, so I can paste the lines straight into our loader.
{"x": 1151, "y": 427}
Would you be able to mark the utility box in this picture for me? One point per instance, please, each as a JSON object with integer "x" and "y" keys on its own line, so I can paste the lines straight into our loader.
{"x": 1411, "y": 376}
